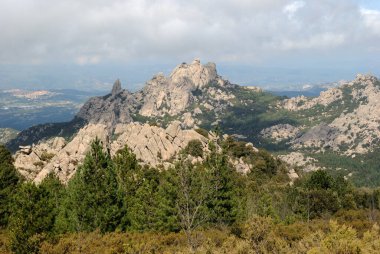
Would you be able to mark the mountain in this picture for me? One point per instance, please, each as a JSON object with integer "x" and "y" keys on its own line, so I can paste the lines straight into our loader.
{"x": 339, "y": 129}
{"x": 340, "y": 125}
{"x": 146, "y": 121}
{"x": 193, "y": 93}
{"x": 345, "y": 119}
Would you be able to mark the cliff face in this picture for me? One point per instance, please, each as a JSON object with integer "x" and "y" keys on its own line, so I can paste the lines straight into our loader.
{"x": 111, "y": 109}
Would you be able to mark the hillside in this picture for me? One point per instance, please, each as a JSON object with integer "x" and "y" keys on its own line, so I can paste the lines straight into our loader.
{"x": 339, "y": 129}
{"x": 7, "y": 134}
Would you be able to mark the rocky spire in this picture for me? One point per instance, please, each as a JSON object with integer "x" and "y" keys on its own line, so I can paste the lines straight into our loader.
{"x": 200, "y": 75}
{"x": 116, "y": 87}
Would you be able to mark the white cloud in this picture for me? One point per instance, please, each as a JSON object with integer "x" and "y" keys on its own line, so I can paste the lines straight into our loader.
{"x": 292, "y": 8}
{"x": 96, "y": 31}
{"x": 371, "y": 19}
{"x": 317, "y": 41}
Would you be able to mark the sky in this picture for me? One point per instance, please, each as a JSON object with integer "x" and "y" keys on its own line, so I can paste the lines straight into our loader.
{"x": 86, "y": 44}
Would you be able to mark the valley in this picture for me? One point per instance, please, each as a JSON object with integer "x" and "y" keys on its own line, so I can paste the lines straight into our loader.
{"x": 21, "y": 109}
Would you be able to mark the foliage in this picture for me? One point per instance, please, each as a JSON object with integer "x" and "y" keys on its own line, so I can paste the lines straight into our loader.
{"x": 33, "y": 214}
{"x": 203, "y": 132}
{"x": 236, "y": 148}
{"x": 91, "y": 199}
{"x": 192, "y": 194}
{"x": 365, "y": 168}
{"x": 9, "y": 180}
{"x": 118, "y": 205}
{"x": 194, "y": 148}
{"x": 45, "y": 156}
{"x": 224, "y": 205}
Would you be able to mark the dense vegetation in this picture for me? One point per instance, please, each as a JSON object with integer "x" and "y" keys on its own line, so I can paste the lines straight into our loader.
{"x": 116, "y": 205}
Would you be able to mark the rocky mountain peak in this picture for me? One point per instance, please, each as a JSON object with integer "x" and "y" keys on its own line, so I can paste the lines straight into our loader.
{"x": 109, "y": 109}
{"x": 365, "y": 78}
{"x": 200, "y": 75}
{"x": 172, "y": 95}
{"x": 116, "y": 87}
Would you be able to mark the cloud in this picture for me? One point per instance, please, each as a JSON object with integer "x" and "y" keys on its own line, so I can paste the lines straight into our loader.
{"x": 83, "y": 60}
{"x": 317, "y": 41}
{"x": 94, "y": 31}
{"x": 292, "y": 8}
{"x": 371, "y": 20}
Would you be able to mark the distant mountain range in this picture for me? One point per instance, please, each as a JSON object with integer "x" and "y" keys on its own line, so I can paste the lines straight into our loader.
{"x": 338, "y": 130}
{"x": 309, "y": 90}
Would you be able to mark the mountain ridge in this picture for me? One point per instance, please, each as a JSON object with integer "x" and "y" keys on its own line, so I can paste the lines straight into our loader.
{"x": 195, "y": 96}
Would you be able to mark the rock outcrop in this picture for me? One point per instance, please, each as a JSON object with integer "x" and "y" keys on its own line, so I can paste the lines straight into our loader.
{"x": 154, "y": 145}
{"x": 116, "y": 88}
{"x": 111, "y": 109}
{"x": 280, "y": 132}
{"x": 320, "y": 136}
{"x": 151, "y": 144}
{"x": 298, "y": 160}
{"x": 302, "y": 102}
{"x": 30, "y": 160}
{"x": 172, "y": 95}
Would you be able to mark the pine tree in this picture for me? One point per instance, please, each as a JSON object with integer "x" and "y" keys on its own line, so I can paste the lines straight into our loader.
{"x": 223, "y": 203}
{"x": 9, "y": 180}
{"x": 91, "y": 199}
{"x": 33, "y": 216}
{"x": 147, "y": 195}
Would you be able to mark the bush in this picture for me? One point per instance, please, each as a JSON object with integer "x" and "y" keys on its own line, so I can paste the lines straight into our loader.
{"x": 237, "y": 148}
{"x": 203, "y": 132}
{"x": 45, "y": 156}
{"x": 194, "y": 148}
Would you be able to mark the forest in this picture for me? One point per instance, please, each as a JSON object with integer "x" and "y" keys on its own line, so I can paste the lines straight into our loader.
{"x": 117, "y": 205}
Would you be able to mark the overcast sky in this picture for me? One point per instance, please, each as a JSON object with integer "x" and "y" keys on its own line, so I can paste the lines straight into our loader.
{"x": 251, "y": 40}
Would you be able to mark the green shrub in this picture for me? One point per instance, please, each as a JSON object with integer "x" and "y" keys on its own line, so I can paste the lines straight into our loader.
{"x": 203, "y": 132}
{"x": 45, "y": 156}
{"x": 194, "y": 148}
{"x": 39, "y": 164}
